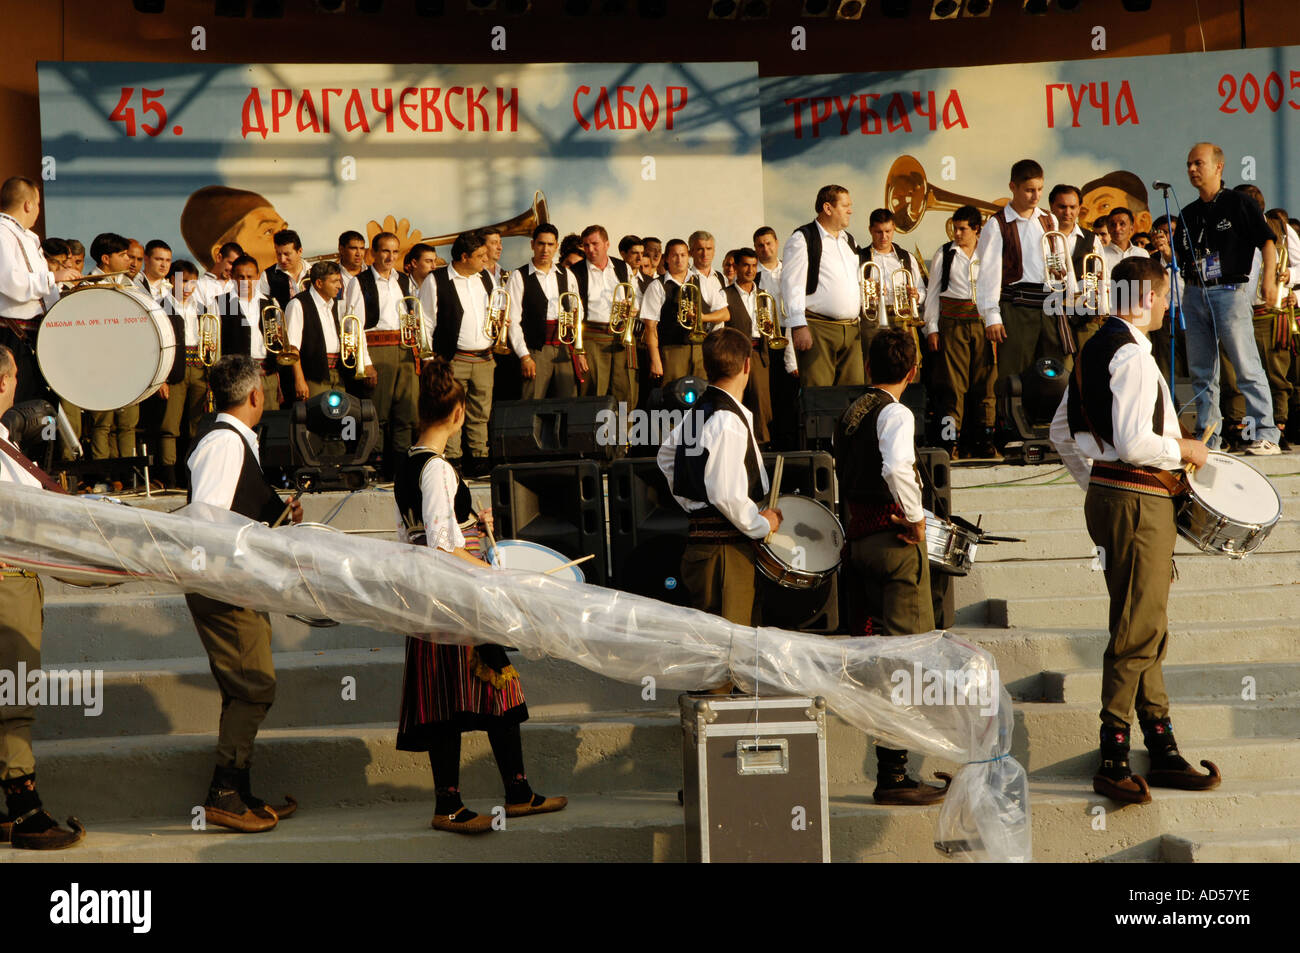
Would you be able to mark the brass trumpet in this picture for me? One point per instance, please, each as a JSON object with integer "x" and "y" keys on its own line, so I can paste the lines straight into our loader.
{"x": 209, "y": 339}
{"x": 765, "y": 310}
{"x": 901, "y": 286}
{"x": 497, "y": 323}
{"x": 275, "y": 336}
{"x": 909, "y": 195}
{"x": 568, "y": 328}
{"x": 1096, "y": 289}
{"x": 412, "y": 326}
{"x": 870, "y": 280}
{"x": 1056, "y": 260}
{"x": 620, "y": 310}
{"x": 350, "y": 345}
{"x": 1283, "y": 274}
{"x": 690, "y": 312}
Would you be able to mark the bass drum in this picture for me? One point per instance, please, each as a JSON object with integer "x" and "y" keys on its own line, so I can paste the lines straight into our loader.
{"x": 105, "y": 347}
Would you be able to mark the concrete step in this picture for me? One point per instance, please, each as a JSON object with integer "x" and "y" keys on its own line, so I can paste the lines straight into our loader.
{"x": 988, "y": 498}
{"x": 1186, "y": 604}
{"x": 1073, "y": 543}
{"x": 1279, "y": 845}
{"x": 1267, "y": 680}
{"x": 968, "y": 476}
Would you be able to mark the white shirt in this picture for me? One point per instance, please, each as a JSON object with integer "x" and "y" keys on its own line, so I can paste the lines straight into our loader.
{"x": 189, "y": 312}
{"x": 655, "y": 295}
{"x": 25, "y": 277}
{"x": 770, "y": 278}
{"x": 890, "y": 264}
{"x": 293, "y": 320}
{"x": 1073, "y": 238}
{"x": 159, "y": 290}
{"x": 1293, "y": 254}
{"x": 209, "y": 291}
{"x": 712, "y": 292}
{"x": 838, "y": 294}
{"x": 251, "y": 318}
{"x": 1114, "y": 256}
{"x": 1134, "y": 381}
{"x": 770, "y": 281}
{"x": 390, "y": 298}
{"x": 295, "y": 281}
{"x": 988, "y": 286}
{"x": 601, "y": 283}
{"x": 550, "y": 283}
{"x": 438, "y": 485}
{"x": 217, "y": 461}
{"x": 896, "y": 434}
{"x": 958, "y": 284}
{"x": 725, "y": 437}
{"x": 10, "y": 471}
{"x": 473, "y": 301}
{"x": 750, "y": 300}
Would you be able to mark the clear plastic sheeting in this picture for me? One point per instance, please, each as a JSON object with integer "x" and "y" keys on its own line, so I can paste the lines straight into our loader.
{"x": 930, "y": 693}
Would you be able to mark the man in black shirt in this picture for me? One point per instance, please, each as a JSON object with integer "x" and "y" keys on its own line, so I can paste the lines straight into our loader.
{"x": 1216, "y": 238}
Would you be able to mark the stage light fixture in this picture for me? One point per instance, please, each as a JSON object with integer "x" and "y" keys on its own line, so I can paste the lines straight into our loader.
{"x": 1035, "y": 7}
{"x": 230, "y": 8}
{"x": 850, "y": 10}
{"x": 332, "y": 435}
{"x": 945, "y": 10}
{"x": 723, "y": 10}
{"x": 898, "y": 9}
{"x": 817, "y": 8}
{"x": 682, "y": 393}
{"x": 268, "y": 9}
{"x": 977, "y": 8}
{"x": 150, "y": 6}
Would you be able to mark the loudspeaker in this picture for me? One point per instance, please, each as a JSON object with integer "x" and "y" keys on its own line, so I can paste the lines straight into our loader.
{"x": 557, "y": 504}
{"x": 936, "y": 496}
{"x": 808, "y": 473}
{"x": 275, "y": 446}
{"x": 647, "y": 531}
{"x": 555, "y": 428}
{"x": 820, "y": 409}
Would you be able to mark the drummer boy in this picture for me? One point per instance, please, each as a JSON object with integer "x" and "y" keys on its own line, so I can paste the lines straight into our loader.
{"x": 1117, "y": 432}
{"x": 888, "y": 571}
{"x": 715, "y": 471}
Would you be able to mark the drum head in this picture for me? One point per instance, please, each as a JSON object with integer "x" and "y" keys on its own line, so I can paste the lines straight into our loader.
{"x": 1233, "y": 488}
{"x": 533, "y": 557}
{"x": 102, "y": 347}
{"x": 810, "y": 536}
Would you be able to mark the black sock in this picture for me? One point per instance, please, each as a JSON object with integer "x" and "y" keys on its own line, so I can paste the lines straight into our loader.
{"x": 223, "y": 792}
{"x": 508, "y": 749}
{"x": 1114, "y": 753}
{"x": 891, "y": 768}
{"x": 21, "y": 796}
{"x": 447, "y": 802}
{"x": 1158, "y": 735}
{"x": 444, "y": 760}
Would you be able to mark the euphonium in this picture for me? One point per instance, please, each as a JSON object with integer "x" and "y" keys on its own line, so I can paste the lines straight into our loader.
{"x": 209, "y": 339}
{"x": 901, "y": 287}
{"x": 690, "y": 312}
{"x": 1096, "y": 289}
{"x": 870, "y": 279}
{"x": 411, "y": 321}
{"x": 1056, "y": 263}
{"x": 350, "y": 345}
{"x": 765, "y": 318}
{"x": 275, "y": 336}
{"x": 568, "y": 328}
{"x": 497, "y": 324}
{"x": 620, "y": 310}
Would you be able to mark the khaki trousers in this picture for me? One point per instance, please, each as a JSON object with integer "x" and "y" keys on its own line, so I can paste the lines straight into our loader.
{"x": 478, "y": 377}
{"x": 22, "y": 616}
{"x": 121, "y": 423}
{"x": 555, "y": 376}
{"x": 835, "y": 357}
{"x": 758, "y": 392}
{"x": 1031, "y": 333}
{"x": 1277, "y": 367}
{"x": 1135, "y": 534}
{"x": 186, "y": 402}
{"x": 396, "y": 394}
{"x": 965, "y": 366}
{"x": 238, "y": 643}
{"x": 721, "y": 578}
{"x": 333, "y": 380}
{"x": 607, "y": 370}
{"x": 682, "y": 360}
{"x": 889, "y": 583}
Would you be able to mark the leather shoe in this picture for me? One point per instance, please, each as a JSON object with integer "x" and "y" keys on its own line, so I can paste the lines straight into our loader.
{"x": 538, "y": 805}
{"x": 249, "y": 822}
{"x": 478, "y": 824}
{"x": 53, "y": 837}
{"x": 913, "y": 792}
{"x": 1187, "y": 779}
{"x": 6, "y": 828}
{"x": 1131, "y": 790}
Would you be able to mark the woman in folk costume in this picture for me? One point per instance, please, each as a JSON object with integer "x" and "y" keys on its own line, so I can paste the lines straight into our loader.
{"x": 450, "y": 689}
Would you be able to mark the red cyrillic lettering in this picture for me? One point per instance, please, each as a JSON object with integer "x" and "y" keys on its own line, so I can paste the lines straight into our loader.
{"x": 278, "y": 97}
{"x": 325, "y": 106}
{"x": 1126, "y": 109}
{"x": 603, "y": 115}
{"x": 253, "y": 110}
{"x": 507, "y": 107}
{"x": 577, "y": 112}
{"x": 307, "y": 105}
{"x": 408, "y": 109}
{"x": 474, "y": 105}
{"x": 648, "y": 121}
{"x": 926, "y": 110}
{"x": 819, "y": 115}
{"x": 953, "y": 102}
{"x": 354, "y": 113}
{"x": 870, "y": 118}
{"x": 626, "y": 111}
{"x": 669, "y": 108}
{"x": 385, "y": 108}
{"x": 429, "y": 104}
{"x": 896, "y": 114}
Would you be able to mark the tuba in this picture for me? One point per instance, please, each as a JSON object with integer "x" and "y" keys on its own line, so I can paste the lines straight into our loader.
{"x": 1056, "y": 260}
{"x": 1096, "y": 289}
{"x": 275, "y": 336}
{"x": 765, "y": 319}
{"x": 909, "y": 195}
{"x": 209, "y": 339}
{"x": 350, "y": 345}
{"x": 871, "y": 281}
{"x": 690, "y": 312}
{"x": 497, "y": 323}
{"x": 568, "y": 328}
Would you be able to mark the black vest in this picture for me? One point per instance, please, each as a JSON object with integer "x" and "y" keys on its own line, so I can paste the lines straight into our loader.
{"x": 580, "y": 275}
{"x": 689, "y": 463}
{"x": 254, "y": 497}
{"x": 742, "y": 322}
{"x": 1097, "y": 399}
{"x": 533, "y": 308}
{"x": 904, "y": 257}
{"x": 278, "y": 282}
{"x": 370, "y": 293}
{"x": 1082, "y": 247}
{"x": 949, "y": 253}
{"x": 315, "y": 365}
{"x": 671, "y": 333}
{"x": 446, "y": 328}
{"x": 410, "y": 501}
{"x": 236, "y": 336}
{"x": 858, "y": 458}
{"x": 177, "y": 373}
{"x": 813, "y": 237}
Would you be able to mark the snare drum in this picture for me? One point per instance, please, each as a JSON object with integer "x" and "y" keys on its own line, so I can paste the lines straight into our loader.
{"x": 950, "y": 547}
{"x": 533, "y": 557}
{"x": 805, "y": 551}
{"x": 105, "y": 347}
{"x": 1230, "y": 507}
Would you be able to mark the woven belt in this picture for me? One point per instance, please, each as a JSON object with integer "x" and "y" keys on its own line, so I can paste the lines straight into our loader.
{"x": 1025, "y": 295}
{"x": 958, "y": 309}
{"x": 484, "y": 355}
{"x": 7, "y": 571}
{"x": 553, "y": 333}
{"x": 864, "y": 519}
{"x": 714, "y": 529}
{"x": 192, "y": 357}
{"x": 1262, "y": 311}
{"x": 332, "y": 361}
{"x": 1149, "y": 481}
{"x": 596, "y": 327}
{"x": 384, "y": 338}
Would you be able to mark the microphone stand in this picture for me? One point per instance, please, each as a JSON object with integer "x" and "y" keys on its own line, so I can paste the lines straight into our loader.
{"x": 1178, "y": 322}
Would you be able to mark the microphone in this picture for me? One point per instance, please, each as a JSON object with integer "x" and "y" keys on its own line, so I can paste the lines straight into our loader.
{"x": 1161, "y": 186}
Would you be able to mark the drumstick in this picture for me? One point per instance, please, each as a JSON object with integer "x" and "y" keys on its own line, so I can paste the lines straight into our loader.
{"x": 777, "y": 472}
{"x": 287, "y": 509}
{"x": 572, "y": 562}
{"x": 1205, "y": 437}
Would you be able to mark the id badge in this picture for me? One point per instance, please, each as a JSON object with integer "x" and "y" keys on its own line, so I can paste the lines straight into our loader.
{"x": 1211, "y": 267}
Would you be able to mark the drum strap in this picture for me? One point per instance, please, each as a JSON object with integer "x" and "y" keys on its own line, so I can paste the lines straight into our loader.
{"x": 1172, "y": 482}
{"x": 30, "y": 467}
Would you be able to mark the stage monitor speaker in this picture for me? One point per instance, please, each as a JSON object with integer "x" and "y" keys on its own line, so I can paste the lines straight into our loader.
{"x": 647, "y": 532}
{"x": 559, "y": 504}
{"x": 820, "y": 409}
{"x": 555, "y": 428}
{"x": 808, "y": 473}
{"x": 275, "y": 446}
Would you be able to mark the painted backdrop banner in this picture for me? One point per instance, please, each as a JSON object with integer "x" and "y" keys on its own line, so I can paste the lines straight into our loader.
{"x": 902, "y": 140}
{"x": 202, "y": 154}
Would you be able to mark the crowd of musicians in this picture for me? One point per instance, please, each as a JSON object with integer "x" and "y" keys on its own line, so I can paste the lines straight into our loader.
{"x": 1026, "y": 284}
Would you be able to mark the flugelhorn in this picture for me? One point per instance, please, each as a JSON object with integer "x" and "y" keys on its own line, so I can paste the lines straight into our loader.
{"x": 909, "y": 195}
{"x": 1283, "y": 274}
{"x": 765, "y": 318}
{"x": 1096, "y": 289}
{"x": 411, "y": 320}
{"x": 901, "y": 286}
{"x": 275, "y": 336}
{"x": 690, "y": 312}
{"x": 209, "y": 339}
{"x": 871, "y": 285}
{"x": 568, "y": 329}
{"x": 972, "y": 273}
{"x": 1056, "y": 260}
{"x": 350, "y": 345}
{"x": 620, "y": 311}
{"x": 496, "y": 325}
